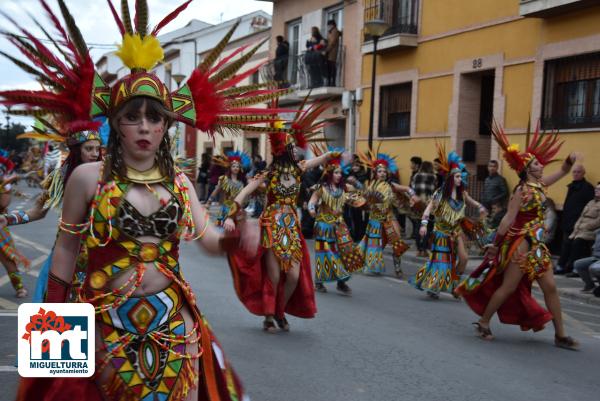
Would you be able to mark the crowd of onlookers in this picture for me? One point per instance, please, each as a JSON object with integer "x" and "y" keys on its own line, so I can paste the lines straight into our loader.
{"x": 320, "y": 57}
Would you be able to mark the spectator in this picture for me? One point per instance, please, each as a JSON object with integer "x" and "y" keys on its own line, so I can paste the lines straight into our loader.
{"x": 550, "y": 221}
{"x": 214, "y": 173}
{"x": 314, "y": 59}
{"x": 589, "y": 268}
{"x": 257, "y": 202}
{"x": 310, "y": 179}
{"x": 331, "y": 51}
{"x": 495, "y": 189}
{"x": 52, "y": 160}
{"x": 439, "y": 176}
{"x": 579, "y": 193}
{"x": 583, "y": 234}
{"x": 497, "y": 212}
{"x": 282, "y": 53}
{"x": 202, "y": 179}
{"x": 415, "y": 166}
{"x": 424, "y": 185}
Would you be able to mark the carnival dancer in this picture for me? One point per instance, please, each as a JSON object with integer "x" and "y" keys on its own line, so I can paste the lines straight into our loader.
{"x": 279, "y": 280}
{"x": 84, "y": 147}
{"x": 133, "y": 209}
{"x": 229, "y": 186}
{"x": 10, "y": 257}
{"x": 336, "y": 255}
{"x": 382, "y": 227}
{"x": 448, "y": 257}
{"x": 518, "y": 255}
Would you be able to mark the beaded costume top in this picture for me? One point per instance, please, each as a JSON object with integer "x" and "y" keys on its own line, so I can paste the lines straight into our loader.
{"x": 277, "y": 193}
{"x": 382, "y": 208}
{"x": 448, "y": 212}
{"x": 333, "y": 201}
{"x": 230, "y": 188}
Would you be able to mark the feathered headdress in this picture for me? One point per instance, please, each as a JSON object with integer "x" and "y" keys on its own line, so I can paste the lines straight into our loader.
{"x": 304, "y": 129}
{"x": 371, "y": 160}
{"x": 542, "y": 147}
{"x": 451, "y": 163}
{"x": 236, "y": 156}
{"x": 335, "y": 161}
{"x": 64, "y": 103}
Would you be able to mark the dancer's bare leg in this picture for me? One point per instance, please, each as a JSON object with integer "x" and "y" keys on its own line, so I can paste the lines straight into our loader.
{"x": 552, "y": 300}
{"x": 463, "y": 256}
{"x": 11, "y": 267}
{"x": 511, "y": 278}
{"x": 291, "y": 281}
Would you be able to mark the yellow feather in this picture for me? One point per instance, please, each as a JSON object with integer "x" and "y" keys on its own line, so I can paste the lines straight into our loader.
{"x": 136, "y": 52}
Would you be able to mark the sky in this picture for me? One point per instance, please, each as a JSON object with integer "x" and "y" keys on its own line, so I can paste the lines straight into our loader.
{"x": 98, "y": 27}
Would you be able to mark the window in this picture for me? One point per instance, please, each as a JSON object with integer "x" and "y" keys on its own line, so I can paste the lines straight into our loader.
{"x": 572, "y": 92}
{"x": 394, "y": 113}
{"x": 293, "y": 37}
{"x": 335, "y": 13}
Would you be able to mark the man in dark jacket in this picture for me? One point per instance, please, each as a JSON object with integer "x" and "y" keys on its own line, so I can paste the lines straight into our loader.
{"x": 282, "y": 53}
{"x": 495, "y": 190}
{"x": 579, "y": 193}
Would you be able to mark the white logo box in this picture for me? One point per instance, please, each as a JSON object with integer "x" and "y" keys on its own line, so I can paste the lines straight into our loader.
{"x": 79, "y": 359}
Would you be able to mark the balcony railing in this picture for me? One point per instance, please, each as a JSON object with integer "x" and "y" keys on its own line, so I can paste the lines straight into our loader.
{"x": 307, "y": 70}
{"x": 401, "y": 15}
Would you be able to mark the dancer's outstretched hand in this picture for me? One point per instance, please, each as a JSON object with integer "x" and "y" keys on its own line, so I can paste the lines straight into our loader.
{"x": 491, "y": 251}
{"x": 229, "y": 225}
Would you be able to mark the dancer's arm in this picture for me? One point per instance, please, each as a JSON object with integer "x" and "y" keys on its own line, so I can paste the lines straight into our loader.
{"x": 425, "y": 219}
{"x": 405, "y": 190}
{"x": 472, "y": 202}
{"x": 215, "y": 192}
{"x": 316, "y": 161}
{"x": 15, "y": 217}
{"x": 78, "y": 195}
{"x": 564, "y": 170}
{"x": 312, "y": 203}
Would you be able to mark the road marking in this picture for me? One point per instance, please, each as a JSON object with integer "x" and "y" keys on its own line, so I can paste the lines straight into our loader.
{"x": 8, "y": 368}
{"x": 24, "y": 241}
{"x": 9, "y": 313}
{"x": 6, "y": 304}
{"x": 579, "y": 313}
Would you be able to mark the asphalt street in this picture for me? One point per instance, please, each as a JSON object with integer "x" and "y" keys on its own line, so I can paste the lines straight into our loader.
{"x": 386, "y": 342}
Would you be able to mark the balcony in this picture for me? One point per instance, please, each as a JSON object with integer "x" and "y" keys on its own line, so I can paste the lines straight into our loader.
{"x": 551, "y": 8}
{"x": 307, "y": 73}
{"x": 402, "y": 17}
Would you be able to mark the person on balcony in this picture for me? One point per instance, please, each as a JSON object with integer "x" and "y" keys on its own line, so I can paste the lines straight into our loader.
{"x": 313, "y": 58}
{"x": 331, "y": 51}
{"x": 282, "y": 53}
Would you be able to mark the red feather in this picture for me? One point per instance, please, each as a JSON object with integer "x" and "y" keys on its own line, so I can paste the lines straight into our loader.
{"x": 117, "y": 18}
{"x": 170, "y": 17}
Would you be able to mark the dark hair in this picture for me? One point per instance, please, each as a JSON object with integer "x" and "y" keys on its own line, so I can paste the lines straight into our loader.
{"x": 74, "y": 159}
{"x": 331, "y": 22}
{"x": 279, "y": 38}
{"x": 449, "y": 186}
{"x": 427, "y": 167}
{"x": 114, "y": 161}
{"x": 494, "y": 162}
{"x": 416, "y": 160}
{"x": 437, "y": 160}
{"x": 317, "y": 32}
{"x": 241, "y": 175}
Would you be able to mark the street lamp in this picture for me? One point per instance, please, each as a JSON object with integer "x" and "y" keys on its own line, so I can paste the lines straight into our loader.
{"x": 375, "y": 28}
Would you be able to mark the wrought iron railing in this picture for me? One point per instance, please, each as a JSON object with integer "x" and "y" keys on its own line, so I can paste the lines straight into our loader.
{"x": 401, "y": 15}
{"x": 305, "y": 71}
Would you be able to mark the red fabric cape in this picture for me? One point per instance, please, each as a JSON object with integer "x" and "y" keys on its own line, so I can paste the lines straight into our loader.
{"x": 255, "y": 290}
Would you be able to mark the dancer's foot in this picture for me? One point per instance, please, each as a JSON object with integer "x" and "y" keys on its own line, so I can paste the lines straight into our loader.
{"x": 483, "y": 331}
{"x": 433, "y": 295}
{"x": 566, "y": 343}
{"x": 283, "y": 324}
{"x": 269, "y": 325}
{"x": 22, "y": 292}
{"x": 399, "y": 272}
{"x": 320, "y": 288}
{"x": 343, "y": 288}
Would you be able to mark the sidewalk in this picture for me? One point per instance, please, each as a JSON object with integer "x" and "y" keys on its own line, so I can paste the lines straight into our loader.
{"x": 567, "y": 287}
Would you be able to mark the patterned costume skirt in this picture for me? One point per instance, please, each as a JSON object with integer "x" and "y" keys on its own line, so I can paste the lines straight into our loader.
{"x": 280, "y": 232}
{"x": 9, "y": 250}
{"x": 439, "y": 272}
{"x": 520, "y": 308}
{"x": 143, "y": 343}
{"x": 377, "y": 236}
{"x": 336, "y": 255}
